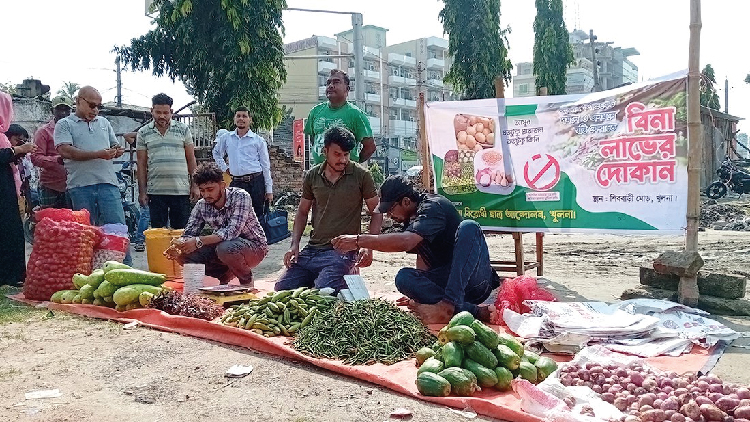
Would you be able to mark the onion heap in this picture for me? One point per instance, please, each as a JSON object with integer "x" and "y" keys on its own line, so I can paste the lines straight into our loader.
{"x": 646, "y": 396}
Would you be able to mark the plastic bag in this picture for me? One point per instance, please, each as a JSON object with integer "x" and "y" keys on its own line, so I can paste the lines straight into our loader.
{"x": 112, "y": 247}
{"x": 61, "y": 249}
{"x": 64, "y": 214}
{"x": 513, "y": 292}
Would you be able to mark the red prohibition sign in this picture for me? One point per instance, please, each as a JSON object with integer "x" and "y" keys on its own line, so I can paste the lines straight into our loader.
{"x": 548, "y": 173}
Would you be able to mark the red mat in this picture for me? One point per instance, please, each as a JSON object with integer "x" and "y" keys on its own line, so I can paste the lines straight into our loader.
{"x": 398, "y": 377}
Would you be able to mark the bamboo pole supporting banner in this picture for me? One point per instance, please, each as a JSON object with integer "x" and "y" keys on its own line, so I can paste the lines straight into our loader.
{"x": 426, "y": 159}
{"x": 688, "y": 287}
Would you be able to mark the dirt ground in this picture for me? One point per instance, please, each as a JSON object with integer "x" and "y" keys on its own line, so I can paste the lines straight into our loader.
{"x": 105, "y": 372}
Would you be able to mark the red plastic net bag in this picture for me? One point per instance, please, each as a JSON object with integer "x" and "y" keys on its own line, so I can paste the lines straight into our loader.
{"x": 61, "y": 249}
{"x": 64, "y": 214}
{"x": 512, "y": 294}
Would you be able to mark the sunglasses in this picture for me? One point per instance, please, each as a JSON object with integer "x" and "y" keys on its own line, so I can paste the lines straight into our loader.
{"x": 91, "y": 104}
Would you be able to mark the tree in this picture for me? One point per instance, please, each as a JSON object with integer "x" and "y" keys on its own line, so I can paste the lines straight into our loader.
{"x": 747, "y": 79}
{"x": 709, "y": 97}
{"x": 552, "y": 51}
{"x": 69, "y": 90}
{"x": 377, "y": 174}
{"x": 8, "y": 88}
{"x": 477, "y": 45}
{"x": 229, "y": 53}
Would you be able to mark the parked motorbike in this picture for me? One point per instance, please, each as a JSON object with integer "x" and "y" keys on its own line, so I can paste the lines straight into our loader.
{"x": 730, "y": 178}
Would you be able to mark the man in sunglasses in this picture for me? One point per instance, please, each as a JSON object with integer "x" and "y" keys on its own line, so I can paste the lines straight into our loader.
{"x": 87, "y": 144}
{"x": 453, "y": 271}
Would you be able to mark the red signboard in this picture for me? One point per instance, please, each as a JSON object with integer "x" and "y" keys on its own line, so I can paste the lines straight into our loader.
{"x": 298, "y": 137}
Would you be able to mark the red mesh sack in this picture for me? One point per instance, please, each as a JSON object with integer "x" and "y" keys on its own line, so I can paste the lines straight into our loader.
{"x": 111, "y": 247}
{"x": 64, "y": 214}
{"x": 61, "y": 249}
{"x": 512, "y": 294}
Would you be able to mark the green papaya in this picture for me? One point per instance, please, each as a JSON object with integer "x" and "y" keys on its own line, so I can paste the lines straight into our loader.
{"x": 506, "y": 357}
{"x": 430, "y": 384}
{"x": 485, "y": 377}
{"x": 423, "y": 354}
{"x": 431, "y": 365}
{"x": 477, "y": 352}
{"x": 485, "y": 335}
{"x": 504, "y": 378}
{"x": 461, "y": 318}
{"x": 545, "y": 366}
{"x": 453, "y": 354}
{"x": 511, "y": 342}
{"x": 463, "y": 382}
{"x": 530, "y": 356}
{"x": 460, "y": 334}
{"x": 527, "y": 371}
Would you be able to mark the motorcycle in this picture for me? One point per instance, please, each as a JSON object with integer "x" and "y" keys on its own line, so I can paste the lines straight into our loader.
{"x": 730, "y": 178}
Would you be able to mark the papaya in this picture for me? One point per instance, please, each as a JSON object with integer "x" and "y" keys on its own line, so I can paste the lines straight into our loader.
{"x": 430, "y": 384}
{"x": 422, "y": 354}
{"x": 461, "y": 318}
{"x": 527, "y": 371}
{"x": 530, "y": 357}
{"x": 463, "y": 382}
{"x": 485, "y": 377}
{"x": 431, "y": 365}
{"x": 511, "y": 342}
{"x": 453, "y": 354}
{"x": 442, "y": 338}
{"x": 506, "y": 357}
{"x": 478, "y": 353}
{"x": 504, "y": 378}
{"x": 485, "y": 335}
{"x": 460, "y": 334}
{"x": 545, "y": 366}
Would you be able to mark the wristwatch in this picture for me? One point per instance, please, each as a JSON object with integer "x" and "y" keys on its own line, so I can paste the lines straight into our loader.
{"x": 198, "y": 242}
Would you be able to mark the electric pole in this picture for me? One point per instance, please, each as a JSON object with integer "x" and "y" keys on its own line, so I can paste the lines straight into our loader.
{"x": 359, "y": 77}
{"x": 119, "y": 82}
{"x": 594, "y": 50}
{"x": 726, "y": 95}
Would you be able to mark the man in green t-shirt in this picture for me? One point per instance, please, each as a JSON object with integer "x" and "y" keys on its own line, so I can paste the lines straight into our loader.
{"x": 337, "y": 111}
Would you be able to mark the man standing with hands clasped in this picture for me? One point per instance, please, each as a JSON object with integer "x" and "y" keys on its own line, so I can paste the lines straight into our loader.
{"x": 249, "y": 163}
{"x": 453, "y": 271}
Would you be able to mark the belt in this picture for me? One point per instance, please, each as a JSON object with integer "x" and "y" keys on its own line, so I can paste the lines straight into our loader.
{"x": 248, "y": 177}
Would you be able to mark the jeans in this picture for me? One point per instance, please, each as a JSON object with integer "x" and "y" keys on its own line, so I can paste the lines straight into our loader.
{"x": 174, "y": 209}
{"x": 142, "y": 225}
{"x": 318, "y": 268}
{"x": 468, "y": 280}
{"x": 104, "y": 203}
{"x": 257, "y": 190}
{"x": 225, "y": 259}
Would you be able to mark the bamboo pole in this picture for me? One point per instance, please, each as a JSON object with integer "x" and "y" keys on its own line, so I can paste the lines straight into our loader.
{"x": 426, "y": 159}
{"x": 688, "y": 288}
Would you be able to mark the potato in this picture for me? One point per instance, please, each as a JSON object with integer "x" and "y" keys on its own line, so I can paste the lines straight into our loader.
{"x": 486, "y": 131}
{"x": 460, "y": 122}
{"x": 471, "y": 130}
{"x": 477, "y": 147}
{"x": 489, "y": 139}
{"x": 480, "y": 137}
{"x": 470, "y": 141}
{"x": 479, "y": 127}
{"x": 473, "y": 120}
{"x": 461, "y": 138}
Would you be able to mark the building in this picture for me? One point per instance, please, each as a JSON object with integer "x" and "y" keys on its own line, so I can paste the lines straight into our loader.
{"x": 393, "y": 77}
{"x": 614, "y": 68}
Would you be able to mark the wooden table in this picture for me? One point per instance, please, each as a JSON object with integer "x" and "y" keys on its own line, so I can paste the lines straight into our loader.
{"x": 519, "y": 265}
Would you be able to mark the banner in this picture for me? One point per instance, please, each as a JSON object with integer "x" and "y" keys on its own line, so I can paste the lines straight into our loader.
{"x": 612, "y": 161}
{"x": 298, "y": 140}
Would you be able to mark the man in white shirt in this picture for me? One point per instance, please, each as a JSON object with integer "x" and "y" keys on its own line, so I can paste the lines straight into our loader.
{"x": 249, "y": 164}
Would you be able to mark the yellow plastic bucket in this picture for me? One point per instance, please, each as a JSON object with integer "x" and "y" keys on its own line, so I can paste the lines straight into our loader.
{"x": 157, "y": 241}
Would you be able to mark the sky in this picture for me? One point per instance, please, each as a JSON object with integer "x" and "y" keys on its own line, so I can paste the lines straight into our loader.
{"x": 72, "y": 41}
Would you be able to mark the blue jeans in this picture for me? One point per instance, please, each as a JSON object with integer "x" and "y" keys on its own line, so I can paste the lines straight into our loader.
{"x": 104, "y": 204}
{"x": 467, "y": 281}
{"x": 142, "y": 225}
{"x": 318, "y": 268}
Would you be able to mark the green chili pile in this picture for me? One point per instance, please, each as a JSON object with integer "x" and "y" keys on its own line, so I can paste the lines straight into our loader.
{"x": 363, "y": 332}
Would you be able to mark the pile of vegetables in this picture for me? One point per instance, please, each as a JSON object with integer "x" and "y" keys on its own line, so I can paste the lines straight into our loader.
{"x": 116, "y": 285}
{"x": 189, "y": 305}
{"x": 279, "y": 313}
{"x": 650, "y": 397}
{"x": 363, "y": 332}
{"x": 470, "y": 355}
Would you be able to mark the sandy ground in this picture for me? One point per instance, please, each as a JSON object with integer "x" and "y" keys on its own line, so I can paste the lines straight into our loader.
{"x": 106, "y": 372}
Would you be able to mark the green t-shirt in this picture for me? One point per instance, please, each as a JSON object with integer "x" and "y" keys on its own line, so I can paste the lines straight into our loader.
{"x": 322, "y": 117}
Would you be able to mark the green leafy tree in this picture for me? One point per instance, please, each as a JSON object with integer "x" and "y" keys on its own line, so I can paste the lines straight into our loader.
{"x": 8, "y": 88}
{"x": 229, "y": 53}
{"x": 477, "y": 45}
{"x": 747, "y": 79}
{"x": 552, "y": 51}
{"x": 709, "y": 97}
{"x": 377, "y": 174}
{"x": 69, "y": 90}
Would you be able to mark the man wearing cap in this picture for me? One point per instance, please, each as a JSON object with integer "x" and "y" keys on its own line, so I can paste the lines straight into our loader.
{"x": 52, "y": 176}
{"x": 443, "y": 282}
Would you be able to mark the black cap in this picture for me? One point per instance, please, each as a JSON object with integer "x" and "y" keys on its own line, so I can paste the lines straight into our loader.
{"x": 393, "y": 190}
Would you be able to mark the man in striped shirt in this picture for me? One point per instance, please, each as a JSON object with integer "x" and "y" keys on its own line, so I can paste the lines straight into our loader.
{"x": 166, "y": 159}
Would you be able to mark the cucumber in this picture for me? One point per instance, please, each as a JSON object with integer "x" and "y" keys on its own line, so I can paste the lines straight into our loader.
{"x": 453, "y": 354}
{"x": 504, "y": 378}
{"x": 545, "y": 366}
{"x": 461, "y": 318}
{"x": 431, "y": 365}
{"x": 485, "y": 335}
{"x": 530, "y": 356}
{"x": 480, "y": 354}
{"x": 423, "y": 354}
{"x": 527, "y": 371}
{"x": 430, "y": 384}
{"x": 511, "y": 342}
{"x": 463, "y": 382}
{"x": 460, "y": 334}
{"x": 485, "y": 377}
{"x": 506, "y": 358}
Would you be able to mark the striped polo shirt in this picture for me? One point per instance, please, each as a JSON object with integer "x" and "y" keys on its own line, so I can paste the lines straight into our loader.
{"x": 167, "y": 165}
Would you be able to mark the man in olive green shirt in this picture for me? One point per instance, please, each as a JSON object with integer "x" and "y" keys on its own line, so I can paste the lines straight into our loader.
{"x": 337, "y": 111}
{"x": 338, "y": 187}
